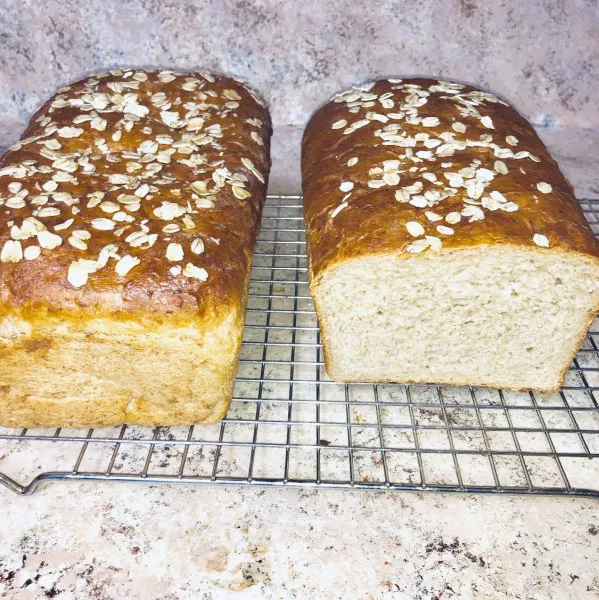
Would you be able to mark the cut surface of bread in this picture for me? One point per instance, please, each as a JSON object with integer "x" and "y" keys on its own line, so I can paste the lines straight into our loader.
{"x": 489, "y": 316}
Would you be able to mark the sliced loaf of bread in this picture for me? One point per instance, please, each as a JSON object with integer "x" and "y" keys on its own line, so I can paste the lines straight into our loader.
{"x": 445, "y": 245}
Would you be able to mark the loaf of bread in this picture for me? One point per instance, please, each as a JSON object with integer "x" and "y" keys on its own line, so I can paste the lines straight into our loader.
{"x": 445, "y": 246}
{"x": 130, "y": 210}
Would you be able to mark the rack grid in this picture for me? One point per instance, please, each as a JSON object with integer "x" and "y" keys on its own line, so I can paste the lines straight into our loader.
{"x": 290, "y": 425}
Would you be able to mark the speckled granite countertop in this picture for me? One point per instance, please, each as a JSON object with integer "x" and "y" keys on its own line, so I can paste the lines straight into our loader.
{"x": 179, "y": 542}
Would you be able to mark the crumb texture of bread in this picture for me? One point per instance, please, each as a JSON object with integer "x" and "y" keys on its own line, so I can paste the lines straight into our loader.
{"x": 445, "y": 245}
{"x": 130, "y": 210}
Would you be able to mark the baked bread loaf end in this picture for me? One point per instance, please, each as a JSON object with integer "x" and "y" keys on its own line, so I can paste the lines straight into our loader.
{"x": 129, "y": 213}
{"x": 445, "y": 245}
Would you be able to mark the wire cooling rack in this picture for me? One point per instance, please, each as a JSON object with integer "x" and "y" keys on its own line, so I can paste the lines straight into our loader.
{"x": 291, "y": 425}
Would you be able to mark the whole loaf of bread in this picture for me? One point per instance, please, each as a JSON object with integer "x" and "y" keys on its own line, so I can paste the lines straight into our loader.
{"x": 444, "y": 243}
{"x": 130, "y": 209}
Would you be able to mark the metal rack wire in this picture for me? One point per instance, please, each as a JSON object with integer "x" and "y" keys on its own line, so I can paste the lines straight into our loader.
{"x": 290, "y": 425}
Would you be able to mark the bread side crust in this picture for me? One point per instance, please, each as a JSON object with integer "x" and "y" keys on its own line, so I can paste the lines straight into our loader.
{"x": 71, "y": 378}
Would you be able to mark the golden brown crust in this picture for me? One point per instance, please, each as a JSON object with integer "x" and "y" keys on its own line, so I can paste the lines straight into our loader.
{"x": 447, "y": 140}
{"x": 73, "y": 378}
{"x": 134, "y": 134}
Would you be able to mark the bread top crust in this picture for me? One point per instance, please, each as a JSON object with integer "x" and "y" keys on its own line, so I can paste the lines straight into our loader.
{"x": 134, "y": 192}
{"x": 420, "y": 165}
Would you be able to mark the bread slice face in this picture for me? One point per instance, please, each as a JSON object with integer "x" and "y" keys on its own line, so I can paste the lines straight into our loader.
{"x": 490, "y": 315}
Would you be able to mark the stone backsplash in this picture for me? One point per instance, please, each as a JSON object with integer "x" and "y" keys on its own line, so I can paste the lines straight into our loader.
{"x": 542, "y": 56}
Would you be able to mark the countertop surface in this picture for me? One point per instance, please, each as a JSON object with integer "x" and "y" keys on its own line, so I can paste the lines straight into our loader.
{"x": 107, "y": 541}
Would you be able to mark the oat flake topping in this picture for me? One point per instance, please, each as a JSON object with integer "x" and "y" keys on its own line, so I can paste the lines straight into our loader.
{"x": 150, "y": 143}
{"x": 422, "y": 174}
